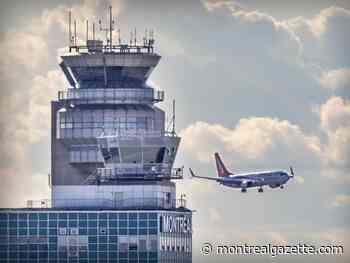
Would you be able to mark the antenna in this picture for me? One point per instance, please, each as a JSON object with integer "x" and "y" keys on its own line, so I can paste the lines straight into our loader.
{"x": 75, "y": 33}
{"x": 173, "y": 130}
{"x": 87, "y": 30}
{"x": 135, "y": 37}
{"x": 145, "y": 38}
{"x": 111, "y": 22}
{"x": 69, "y": 30}
{"x": 109, "y": 30}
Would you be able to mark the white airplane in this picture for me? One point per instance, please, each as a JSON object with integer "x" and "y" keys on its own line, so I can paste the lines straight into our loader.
{"x": 273, "y": 179}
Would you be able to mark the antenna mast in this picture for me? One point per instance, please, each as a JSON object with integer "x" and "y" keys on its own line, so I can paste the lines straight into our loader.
{"x": 110, "y": 27}
{"x": 75, "y": 33}
{"x": 173, "y": 130}
{"x": 70, "y": 30}
{"x": 87, "y": 30}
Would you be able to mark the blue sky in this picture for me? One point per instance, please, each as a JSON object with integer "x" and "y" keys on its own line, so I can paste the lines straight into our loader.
{"x": 265, "y": 83}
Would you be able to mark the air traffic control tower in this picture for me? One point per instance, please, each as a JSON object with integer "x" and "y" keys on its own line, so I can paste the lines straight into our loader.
{"x": 113, "y": 196}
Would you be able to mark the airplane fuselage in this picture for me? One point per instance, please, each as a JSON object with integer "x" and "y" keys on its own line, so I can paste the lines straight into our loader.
{"x": 257, "y": 179}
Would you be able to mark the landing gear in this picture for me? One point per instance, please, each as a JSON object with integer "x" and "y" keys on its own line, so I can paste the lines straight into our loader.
{"x": 260, "y": 190}
{"x": 281, "y": 186}
{"x": 244, "y": 190}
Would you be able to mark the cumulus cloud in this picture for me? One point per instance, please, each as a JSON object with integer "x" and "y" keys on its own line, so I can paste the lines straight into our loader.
{"x": 22, "y": 49}
{"x": 317, "y": 44}
{"x": 263, "y": 141}
{"x": 335, "y": 113}
{"x": 324, "y": 39}
{"x": 274, "y": 36}
{"x": 336, "y": 79}
{"x": 25, "y": 119}
{"x": 272, "y": 142}
{"x": 211, "y": 5}
{"x": 341, "y": 200}
{"x": 335, "y": 122}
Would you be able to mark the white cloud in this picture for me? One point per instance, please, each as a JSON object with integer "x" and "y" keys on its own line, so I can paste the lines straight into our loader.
{"x": 22, "y": 49}
{"x": 255, "y": 140}
{"x": 271, "y": 143}
{"x": 211, "y": 5}
{"x": 318, "y": 44}
{"x": 335, "y": 79}
{"x": 274, "y": 37}
{"x": 341, "y": 200}
{"x": 335, "y": 122}
{"x": 324, "y": 41}
{"x": 25, "y": 120}
{"x": 44, "y": 89}
{"x": 335, "y": 113}
{"x": 320, "y": 24}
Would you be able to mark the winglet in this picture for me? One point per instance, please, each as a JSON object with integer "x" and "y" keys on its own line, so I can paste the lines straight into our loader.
{"x": 221, "y": 169}
{"x": 192, "y": 173}
{"x": 291, "y": 171}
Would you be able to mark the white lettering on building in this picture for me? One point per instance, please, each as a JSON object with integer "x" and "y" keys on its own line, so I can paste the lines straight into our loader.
{"x": 176, "y": 224}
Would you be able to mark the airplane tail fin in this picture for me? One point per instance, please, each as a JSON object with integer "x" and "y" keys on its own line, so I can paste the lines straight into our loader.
{"x": 221, "y": 169}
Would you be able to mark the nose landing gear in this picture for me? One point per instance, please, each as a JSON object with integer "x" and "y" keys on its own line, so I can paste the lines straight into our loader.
{"x": 244, "y": 190}
{"x": 260, "y": 190}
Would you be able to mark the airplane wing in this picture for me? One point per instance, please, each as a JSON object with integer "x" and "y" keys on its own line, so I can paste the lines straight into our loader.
{"x": 246, "y": 182}
{"x": 202, "y": 177}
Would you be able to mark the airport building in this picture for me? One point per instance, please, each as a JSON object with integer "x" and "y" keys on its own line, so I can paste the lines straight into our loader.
{"x": 113, "y": 195}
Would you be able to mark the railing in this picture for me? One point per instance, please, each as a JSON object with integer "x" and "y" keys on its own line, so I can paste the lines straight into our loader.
{"x": 153, "y": 171}
{"x": 128, "y": 203}
{"x": 113, "y": 136}
{"x": 93, "y": 96}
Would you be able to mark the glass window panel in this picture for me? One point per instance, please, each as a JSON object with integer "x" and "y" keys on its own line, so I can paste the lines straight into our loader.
{"x": 131, "y": 154}
{"x": 73, "y": 216}
{"x": 62, "y": 223}
{"x": 82, "y": 216}
{"x": 92, "y": 231}
{"x": 87, "y": 116}
{"x": 62, "y": 216}
{"x": 84, "y": 157}
{"x": 77, "y": 116}
{"x": 87, "y": 133}
{"x": 143, "y": 231}
{"x": 92, "y": 223}
{"x": 33, "y": 216}
{"x": 33, "y": 223}
{"x": 92, "y": 216}
{"x": 22, "y": 216}
{"x": 83, "y": 223}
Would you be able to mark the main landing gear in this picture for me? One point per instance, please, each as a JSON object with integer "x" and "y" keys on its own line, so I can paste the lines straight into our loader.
{"x": 244, "y": 190}
{"x": 260, "y": 190}
{"x": 281, "y": 186}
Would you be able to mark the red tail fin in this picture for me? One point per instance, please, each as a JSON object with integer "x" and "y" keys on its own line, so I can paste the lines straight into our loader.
{"x": 221, "y": 169}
